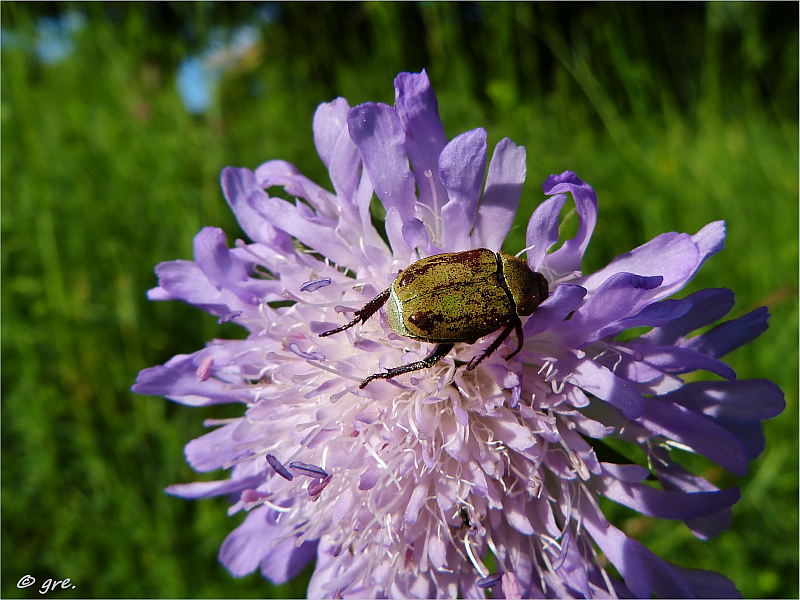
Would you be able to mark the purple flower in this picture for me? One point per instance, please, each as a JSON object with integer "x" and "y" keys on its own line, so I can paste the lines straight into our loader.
{"x": 410, "y": 487}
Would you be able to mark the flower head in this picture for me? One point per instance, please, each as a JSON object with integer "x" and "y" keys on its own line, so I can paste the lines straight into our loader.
{"x": 447, "y": 481}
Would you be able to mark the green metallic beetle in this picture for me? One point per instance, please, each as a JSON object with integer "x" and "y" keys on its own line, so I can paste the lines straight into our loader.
{"x": 456, "y": 297}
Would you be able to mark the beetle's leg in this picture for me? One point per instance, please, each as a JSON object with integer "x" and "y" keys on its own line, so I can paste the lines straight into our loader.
{"x": 369, "y": 309}
{"x": 516, "y": 324}
{"x": 439, "y": 352}
{"x": 520, "y": 338}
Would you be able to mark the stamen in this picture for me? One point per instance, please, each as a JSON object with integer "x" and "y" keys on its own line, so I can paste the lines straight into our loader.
{"x": 479, "y": 566}
{"x": 313, "y": 286}
{"x": 279, "y": 468}
{"x": 489, "y": 581}
{"x": 435, "y": 198}
{"x": 518, "y": 254}
{"x": 230, "y": 316}
{"x": 308, "y": 470}
{"x": 315, "y": 487}
{"x": 563, "y": 554}
{"x": 558, "y": 388}
{"x": 307, "y": 355}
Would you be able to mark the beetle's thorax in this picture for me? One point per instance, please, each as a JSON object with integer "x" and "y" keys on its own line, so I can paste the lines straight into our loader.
{"x": 527, "y": 288}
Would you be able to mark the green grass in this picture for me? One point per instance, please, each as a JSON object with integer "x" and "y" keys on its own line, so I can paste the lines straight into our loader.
{"x": 104, "y": 175}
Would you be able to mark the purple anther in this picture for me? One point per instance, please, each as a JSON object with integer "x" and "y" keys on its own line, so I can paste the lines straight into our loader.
{"x": 230, "y": 316}
{"x": 308, "y": 355}
{"x": 315, "y": 487}
{"x": 279, "y": 468}
{"x": 489, "y": 581}
{"x": 308, "y": 470}
{"x": 313, "y": 286}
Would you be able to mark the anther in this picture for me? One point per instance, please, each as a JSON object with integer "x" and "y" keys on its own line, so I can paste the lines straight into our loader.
{"x": 279, "y": 468}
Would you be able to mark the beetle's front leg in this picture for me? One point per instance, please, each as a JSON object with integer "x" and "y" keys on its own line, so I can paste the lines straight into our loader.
{"x": 439, "y": 352}
{"x": 514, "y": 325}
{"x": 369, "y": 309}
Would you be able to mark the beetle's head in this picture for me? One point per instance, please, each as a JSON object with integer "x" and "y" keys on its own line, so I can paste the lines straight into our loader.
{"x": 528, "y": 288}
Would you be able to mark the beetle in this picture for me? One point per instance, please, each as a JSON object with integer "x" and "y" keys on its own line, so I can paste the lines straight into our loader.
{"x": 456, "y": 297}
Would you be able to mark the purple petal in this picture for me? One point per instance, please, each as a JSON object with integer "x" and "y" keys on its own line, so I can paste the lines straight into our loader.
{"x": 511, "y": 587}
{"x": 237, "y": 186}
{"x": 418, "y": 109}
{"x": 567, "y": 259}
{"x": 632, "y": 367}
{"x": 285, "y": 561}
{"x": 345, "y": 172}
{"x": 462, "y": 166}
{"x": 625, "y": 473}
{"x": 184, "y": 280}
{"x": 675, "y": 478}
{"x": 645, "y": 574}
{"x": 708, "y": 584}
{"x": 378, "y": 133}
{"x": 286, "y": 175}
{"x": 215, "y": 449}
{"x": 211, "y": 489}
{"x": 696, "y": 431}
{"x": 315, "y": 233}
{"x": 204, "y": 370}
{"x": 501, "y": 196}
{"x": 330, "y": 119}
{"x": 418, "y": 499}
{"x": 707, "y": 306}
{"x": 562, "y": 301}
{"x": 542, "y": 231}
{"x": 182, "y": 386}
{"x": 215, "y": 259}
{"x": 749, "y": 434}
{"x": 710, "y": 240}
{"x": 601, "y": 382}
{"x": 666, "y": 504}
{"x": 562, "y": 555}
{"x": 620, "y": 551}
{"x": 395, "y": 225}
{"x": 250, "y": 545}
{"x": 744, "y": 399}
{"x": 247, "y": 545}
{"x": 728, "y": 336}
{"x": 680, "y": 360}
{"x": 651, "y": 315}
{"x": 672, "y": 256}
{"x": 615, "y": 299}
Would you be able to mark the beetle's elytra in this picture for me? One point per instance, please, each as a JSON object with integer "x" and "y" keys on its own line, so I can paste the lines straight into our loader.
{"x": 456, "y": 297}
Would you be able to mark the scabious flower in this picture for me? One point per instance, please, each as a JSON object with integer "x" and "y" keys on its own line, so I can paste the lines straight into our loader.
{"x": 445, "y": 482}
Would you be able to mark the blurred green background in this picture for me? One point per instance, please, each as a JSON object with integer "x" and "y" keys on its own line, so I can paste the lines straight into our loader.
{"x": 677, "y": 114}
